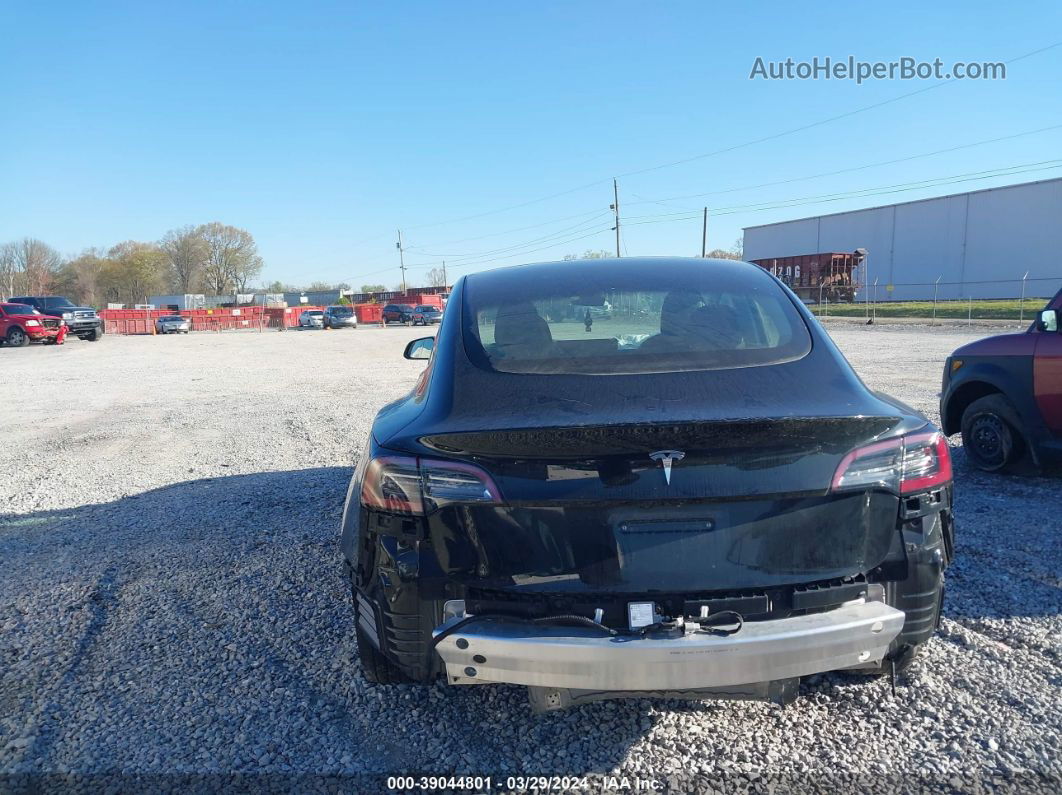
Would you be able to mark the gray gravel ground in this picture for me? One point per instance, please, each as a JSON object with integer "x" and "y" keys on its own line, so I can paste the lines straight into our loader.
{"x": 172, "y": 604}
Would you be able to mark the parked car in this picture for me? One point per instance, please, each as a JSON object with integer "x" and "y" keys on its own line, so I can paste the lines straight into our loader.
{"x": 81, "y": 321}
{"x": 21, "y": 324}
{"x": 1005, "y": 394}
{"x": 173, "y": 324}
{"x": 311, "y": 318}
{"x": 703, "y": 500}
{"x": 427, "y": 315}
{"x": 340, "y": 316}
{"x": 398, "y": 313}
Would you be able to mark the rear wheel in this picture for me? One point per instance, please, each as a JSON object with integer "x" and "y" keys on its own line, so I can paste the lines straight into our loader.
{"x": 375, "y": 667}
{"x": 93, "y": 335}
{"x": 17, "y": 338}
{"x": 991, "y": 435}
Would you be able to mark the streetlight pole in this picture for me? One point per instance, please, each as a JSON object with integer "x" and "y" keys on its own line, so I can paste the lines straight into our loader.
{"x": 615, "y": 210}
{"x": 1021, "y": 309}
{"x": 401, "y": 260}
{"x": 865, "y": 262}
{"x": 704, "y": 235}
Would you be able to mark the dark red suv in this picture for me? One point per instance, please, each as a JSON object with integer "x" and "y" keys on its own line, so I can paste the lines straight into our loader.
{"x": 1005, "y": 394}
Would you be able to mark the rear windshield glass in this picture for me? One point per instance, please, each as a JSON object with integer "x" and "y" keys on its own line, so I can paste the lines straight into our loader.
{"x": 171, "y": 318}
{"x": 340, "y": 310}
{"x": 639, "y": 322}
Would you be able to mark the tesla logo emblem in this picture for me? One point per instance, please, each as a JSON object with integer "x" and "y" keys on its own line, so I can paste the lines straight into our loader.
{"x": 666, "y": 457}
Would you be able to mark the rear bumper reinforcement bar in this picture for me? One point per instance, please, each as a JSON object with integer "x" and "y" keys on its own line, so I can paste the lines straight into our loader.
{"x": 496, "y": 650}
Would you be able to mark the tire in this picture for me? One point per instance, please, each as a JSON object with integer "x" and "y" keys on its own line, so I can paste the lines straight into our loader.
{"x": 991, "y": 434}
{"x": 93, "y": 336}
{"x": 375, "y": 667}
{"x": 17, "y": 338}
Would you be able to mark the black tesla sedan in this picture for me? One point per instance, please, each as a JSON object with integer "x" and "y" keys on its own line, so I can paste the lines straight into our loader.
{"x": 642, "y": 476}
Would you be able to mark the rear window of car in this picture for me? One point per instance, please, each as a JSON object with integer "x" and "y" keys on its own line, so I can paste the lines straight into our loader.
{"x": 171, "y": 318}
{"x": 427, "y": 308}
{"x": 638, "y": 321}
{"x": 340, "y": 310}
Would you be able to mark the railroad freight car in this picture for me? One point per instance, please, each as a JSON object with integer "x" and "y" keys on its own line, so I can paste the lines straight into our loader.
{"x": 817, "y": 277}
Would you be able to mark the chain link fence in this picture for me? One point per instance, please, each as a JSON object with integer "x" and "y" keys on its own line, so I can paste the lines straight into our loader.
{"x": 876, "y": 301}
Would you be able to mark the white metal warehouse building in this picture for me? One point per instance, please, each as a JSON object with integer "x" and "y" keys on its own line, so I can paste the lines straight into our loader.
{"x": 979, "y": 244}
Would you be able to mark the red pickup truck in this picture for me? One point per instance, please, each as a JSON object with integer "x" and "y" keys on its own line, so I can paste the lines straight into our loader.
{"x": 1005, "y": 394}
{"x": 20, "y": 324}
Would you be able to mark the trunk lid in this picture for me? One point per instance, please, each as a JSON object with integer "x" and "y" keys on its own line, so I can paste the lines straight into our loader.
{"x": 590, "y": 509}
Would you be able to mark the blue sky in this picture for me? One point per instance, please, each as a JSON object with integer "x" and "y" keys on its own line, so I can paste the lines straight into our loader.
{"x": 323, "y": 127}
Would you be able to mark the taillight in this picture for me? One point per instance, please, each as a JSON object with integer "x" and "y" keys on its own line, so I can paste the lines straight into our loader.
{"x": 926, "y": 462}
{"x": 392, "y": 484}
{"x": 905, "y": 465}
{"x": 400, "y": 484}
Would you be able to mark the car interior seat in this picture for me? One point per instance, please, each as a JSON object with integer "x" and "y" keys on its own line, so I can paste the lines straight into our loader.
{"x": 521, "y": 333}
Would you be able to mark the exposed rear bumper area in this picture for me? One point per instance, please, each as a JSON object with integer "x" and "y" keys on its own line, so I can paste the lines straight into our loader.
{"x": 496, "y": 650}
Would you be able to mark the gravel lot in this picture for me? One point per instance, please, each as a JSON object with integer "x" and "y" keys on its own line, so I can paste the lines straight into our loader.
{"x": 172, "y": 603}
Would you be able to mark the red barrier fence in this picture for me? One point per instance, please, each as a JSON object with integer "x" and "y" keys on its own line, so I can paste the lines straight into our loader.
{"x": 141, "y": 321}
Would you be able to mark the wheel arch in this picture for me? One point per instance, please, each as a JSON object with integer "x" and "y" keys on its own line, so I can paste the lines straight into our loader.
{"x": 963, "y": 396}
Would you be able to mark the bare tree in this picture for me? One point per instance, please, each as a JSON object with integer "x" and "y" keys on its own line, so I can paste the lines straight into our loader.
{"x": 7, "y": 270}
{"x": 436, "y": 278}
{"x": 186, "y": 251}
{"x": 29, "y": 266}
{"x": 232, "y": 260}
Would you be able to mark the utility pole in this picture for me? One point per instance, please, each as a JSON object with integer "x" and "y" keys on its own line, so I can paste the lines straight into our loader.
{"x": 615, "y": 209}
{"x": 401, "y": 260}
{"x": 704, "y": 235}
{"x": 445, "y": 283}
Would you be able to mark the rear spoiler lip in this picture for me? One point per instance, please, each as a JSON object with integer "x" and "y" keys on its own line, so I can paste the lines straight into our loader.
{"x": 645, "y": 437}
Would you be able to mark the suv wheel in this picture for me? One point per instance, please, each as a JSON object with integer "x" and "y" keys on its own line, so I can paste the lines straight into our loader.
{"x": 17, "y": 338}
{"x": 990, "y": 434}
{"x": 93, "y": 335}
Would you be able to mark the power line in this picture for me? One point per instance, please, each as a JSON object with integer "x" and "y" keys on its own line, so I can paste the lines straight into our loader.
{"x": 517, "y": 229}
{"x": 728, "y": 149}
{"x": 578, "y": 232}
{"x": 851, "y": 169}
{"x": 877, "y": 191}
{"x": 821, "y": 122}
{"x": 487, "y": 252}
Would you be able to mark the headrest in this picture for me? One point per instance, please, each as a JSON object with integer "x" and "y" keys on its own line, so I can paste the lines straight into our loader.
{"x": 520, "y": 324}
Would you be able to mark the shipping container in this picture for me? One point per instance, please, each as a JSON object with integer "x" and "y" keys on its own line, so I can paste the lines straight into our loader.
{"x": 180, "y": 301}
